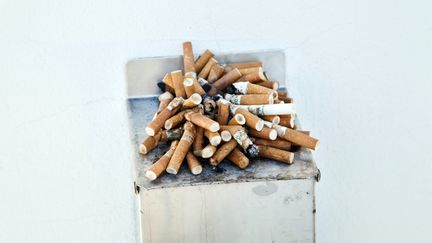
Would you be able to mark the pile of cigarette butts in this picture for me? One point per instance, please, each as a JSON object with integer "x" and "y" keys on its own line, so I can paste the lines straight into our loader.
{"x": 210, "y": 112}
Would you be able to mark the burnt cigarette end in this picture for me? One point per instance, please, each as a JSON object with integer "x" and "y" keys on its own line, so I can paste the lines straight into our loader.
{"x": 252, "y": 151}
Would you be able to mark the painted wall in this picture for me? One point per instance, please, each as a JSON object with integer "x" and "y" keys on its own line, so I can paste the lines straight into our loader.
{"x": 359, "y": 71}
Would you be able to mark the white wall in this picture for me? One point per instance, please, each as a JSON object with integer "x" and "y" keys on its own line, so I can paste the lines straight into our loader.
{"x": 359, "y": 71}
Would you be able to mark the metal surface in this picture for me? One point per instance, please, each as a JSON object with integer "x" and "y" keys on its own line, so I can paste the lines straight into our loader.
{"x": 143, "y": 74}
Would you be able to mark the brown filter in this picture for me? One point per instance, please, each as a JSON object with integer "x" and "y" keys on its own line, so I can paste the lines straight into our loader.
{"x": 202, "y": 121}
{"x": 287, "y": 121}
{"x": 245, "y": 64}
{"x": 159, "y": 166}
{"x": 167, "y": 79}
{"x": 194, "y": 100}
{"x": 283, "y": 94}
{"x": 266, "y": 133}
{"x": 164, "y": 100}
{"x": 276, "y": 154}
{"x": 213, "y": 137}
{"x": 225, "y": 81}
{"x": 175, "y": 120}
{"x": 253, "y": 77}
{"x": 198, "y": 88}
{"x": 245, "y": 71}
{"x": 274, "y": 119}
{"x": 158, "y": 122}
{"x": 305, "y": 132}
{"x": 252, "y": 120}
{"x": 149, "y": 143}
{"x": 226, "y": 136}
{"x": 206, "y": 69}
{"x": 198, "y": 142}
{"x": 202, "y": 60}
{"x": 208, "y": 151}
{"x": 277, "y": 143}
{"x": 258, "y": 89}
{"x": 188, "y": 58}
{"x": 237, "y": 119}
{"x": 268, "y": 84}
{"x": 182, "y": 148}
{"x": 194, "y": 165}
{"x": 223, "y": 112}
{"x": 222, "y": 152}
{"x": 177, "y": 79}
{"x": 252, "y": 99}
{"x": 297, "y": 137}
{"x": 216, "y": 72}
{"x": 238, "y": 158}
{"x": 188, "y": 85}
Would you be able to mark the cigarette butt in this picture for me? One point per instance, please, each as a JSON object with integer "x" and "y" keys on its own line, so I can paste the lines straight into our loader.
{"x": 206, "y": 69}
{"x": 216, "y": 72}
{"x": 188, "y": 84}
{"x": 164, "y": 99}
{"x": 252, "y": 99}
{"x": 225, "y": 135}
{"x": 182, "y": 148}
{"x": 240, "y": 136}
{"x": 222, "y": 152}
{"x": 202, "y": 60}
{"x": 245, "y": 71}
{"x": 268, "y": 84}
{"x": 188, "y": 58}
{"x": 175, "y": 120}
{"x": 274, "y": 119}
{"x": 199, "y": 88}
{"x": 159, "y": 166}
{"x": 237, "y": 119}
{"x": 194, "y": 165}
{"x": 149, "y": 143}
{"x": 296, "y": 137}
{"x": 213, "y": 137}
{"x": 275, "y": 154}
{"x": 158, "y": 122}
{"x": 198, "y": 142}
{"x": 208, "y": 151}
{"x": 223, "y": 112}
{"x": 177, "y": 80}
{"x": 202, "y": 121}
{"x": 245, "y": 64}
{"x": 194, "y": 100}
{"x": 171, "y": 135}
{"x": 167, "y": 79}
{"x": 238, "y": 158}
{"x": 266, "y": 133}
{"x": 277, "y": 143}
{"x": 225, "y": 81}
{"x": 252, "y": 120}
{"x": 287, "y": 121}
{"x": 253, "y": 77}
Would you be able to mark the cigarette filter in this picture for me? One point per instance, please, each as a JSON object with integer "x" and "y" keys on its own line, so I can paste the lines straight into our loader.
{"x": 277, "y": 143}
{"x": 208, "y": 151}
{"x": 198, "y": 142}
{"x": 194, "y": 165}
{"x": 202, "y": 60}
{"x": 182, "y": 148}
{"x": 252, "y": 120}
{"x": 206, "y": 69}
{"x": 159, "y": 166}
{"x": 275, "y": 154}
{"x": 252, "y": 99}
{"x": 188, "y": 58}
{"x": 296, "y": 137}
{"x": 225, "y": 81}
{"x": 238, "y": 158}
{"x": 166, "y": 113}
{"x": 222, "y": 152}
{"x": 149, "y": 143}
{"x": 202, "y": 121}
{"x": 177, "y": 80}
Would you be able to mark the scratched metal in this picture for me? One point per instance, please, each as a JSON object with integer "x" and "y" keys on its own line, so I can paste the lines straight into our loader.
{"x": 141, "y": 111}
